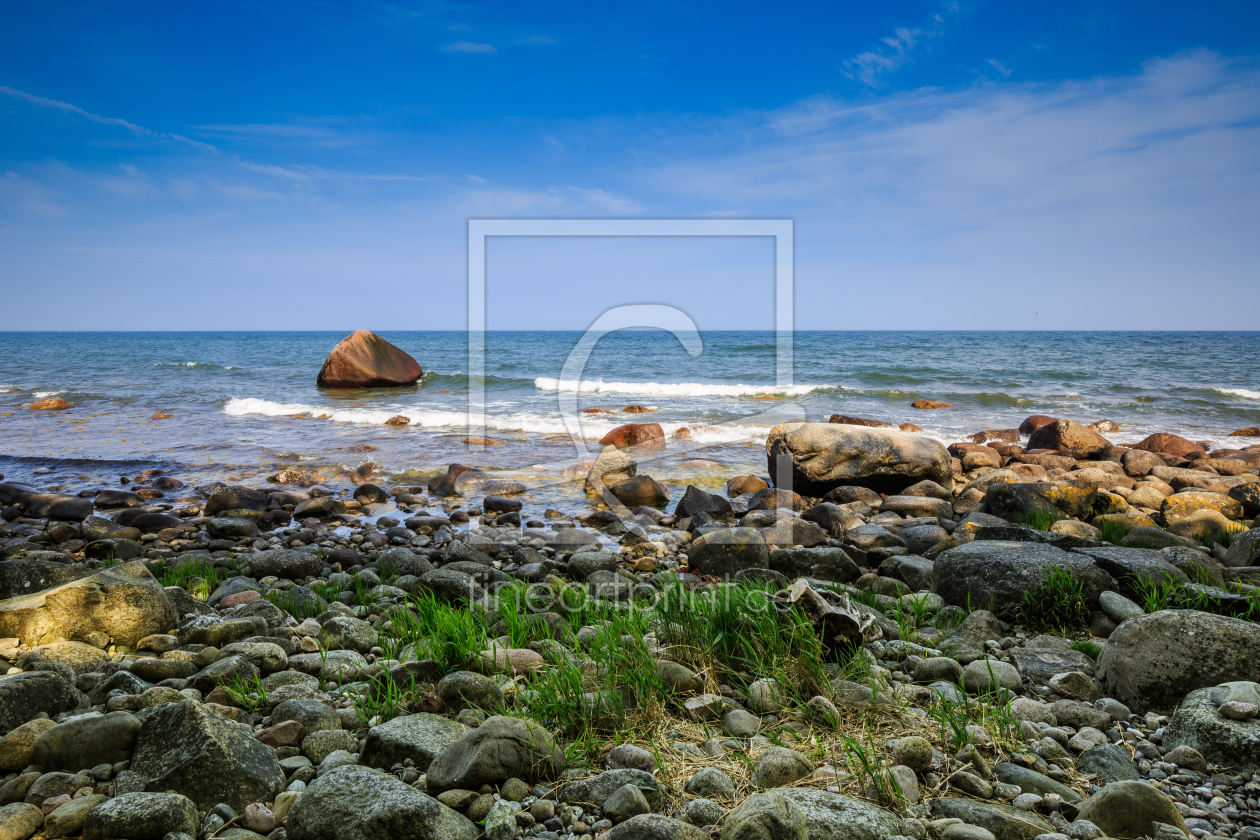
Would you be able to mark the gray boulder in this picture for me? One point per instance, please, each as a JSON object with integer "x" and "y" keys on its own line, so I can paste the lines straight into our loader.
{"x": 86, "y": 741}
{"x": 419, "y": 737}
{"x": 500, "y": 749}
{"x": 1110, "y": 763}
{"x": 124, "y": 602}
{"x": 1231, "y": 743}
{"x": 23, "y": 696}
{"x": 1149, "y": 663}
{"x": 18, "y": 821}
{"x": 655, "y": 827}
{"x": 1126, "y": 565}
{"x": 287, "y": 563}
{"x": 345, "y": 633}
{"x": 819, "y": 457}
{"x": 356, "y": 803}
{"x": 189, "y": 748}
{"x": 594, "y": 790}
{"x": 727, "y": 551}
{"x": 766, "y": 816}
{"x": 1003, "y": 821}
{"x": 141, "y": 816}
{"x": 1131, "y": 809}
{"x": 1017, "y": 502}
{"x": 995, "y": 575}
{"x": 833, "y": 816}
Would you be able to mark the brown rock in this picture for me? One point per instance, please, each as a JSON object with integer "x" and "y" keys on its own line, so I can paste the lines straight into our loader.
{"x": 1105, "y": 426}
{"x": 1169, "y": 445}
{"x": 929, "y": 404}
{"x": 49, "y": 404}
{"x": 634, "y": 434}
{"x": 741, "y": 484}
{"x": 682, "y": 433}
{"x": 857, "y": 421}
{"x": 1068, "y": 438}
{"x": 365, "y": 360}
{"x": 482, "y": 441}
{"x": 1250, "y": 431}
{"x": 398, "y": 420}
{"x": 160, "y": 416}
{"x": 1003, "y": 435}
{"x": 598, "y": 411}
{"x": 638, "y": 409}
{"x": 640, "y": 490}
{"x": 1035, "y": 422}
{"x": 909, "y": 427}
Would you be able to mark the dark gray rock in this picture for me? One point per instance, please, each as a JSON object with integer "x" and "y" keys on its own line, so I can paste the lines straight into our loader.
{"x": 833, "y": 816}
{"x": 285, "y": 563}
{"x": 87, "y": 741}
{"x": 995, "y": 575}
{"x": 23, "y": 696}
{"x": 1109, "y": 762}
{"x": 356, "y": 803}
{"x": 724, "y": 552}
{"x": 1030, "y": 781}
{"x": 1038, "y": 665}
{"x": 141, "y": 816}
{"x": 500, "y": 749}
{"x": 1005, "y": 822}
{"x": 188, "y": 748}
{"x": 594, "y": 790}
{"x": 419, "y": 737}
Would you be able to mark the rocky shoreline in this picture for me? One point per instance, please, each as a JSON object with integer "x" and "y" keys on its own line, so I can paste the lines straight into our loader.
{"x": 1033, "y": 634}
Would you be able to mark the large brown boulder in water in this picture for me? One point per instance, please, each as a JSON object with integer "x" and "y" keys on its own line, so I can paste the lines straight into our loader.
{"x": 819, "y": 457}
{"x": 634, "y": 434}
{"x": 365, "y": 360}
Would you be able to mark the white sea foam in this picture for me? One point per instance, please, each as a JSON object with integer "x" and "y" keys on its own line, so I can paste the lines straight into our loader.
{"x": 591, "y": 427}
{"x": 672, "y": 389}
{"x": 1239, "y": 392}
{"x": 39, "y": 395}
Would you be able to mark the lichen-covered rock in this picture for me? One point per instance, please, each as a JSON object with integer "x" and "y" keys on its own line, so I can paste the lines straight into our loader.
{"x": 357, "y": 803}
{"x": 188, "y": 748}
{"x": 833, "y": 816}
{"x": 124, "y": 602}
{"x": 1003, "y": 821}
{"x": 1149, "y": 663}
{"x": 141, "y": 816}
{"x": 500, "y": 749}
{"x": 766, "y": 816}
{"x": 419, "y": 737}
{"x": 1017, "y": 502}
{"x": 1198, "y": 724}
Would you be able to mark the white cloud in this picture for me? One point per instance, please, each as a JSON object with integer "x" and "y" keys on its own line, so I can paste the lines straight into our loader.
{"x": 138, "y": 130}
{"x": 469, "y": 48}
{"x": 870, "y": 67}
{"x": 542, "y": 40}
{"x": 1000, "y": 67}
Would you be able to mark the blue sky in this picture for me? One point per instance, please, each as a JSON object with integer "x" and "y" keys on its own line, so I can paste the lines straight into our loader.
{"x": 955, "y": 165}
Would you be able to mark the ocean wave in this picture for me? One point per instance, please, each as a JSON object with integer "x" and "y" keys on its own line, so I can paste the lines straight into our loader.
{"x": 39, "y": 395}
{"x": 678, "y": 389}
{"x": 592, "y": 428}
{"x": 195, "y": 365}
{"x": 1239, "y": 392}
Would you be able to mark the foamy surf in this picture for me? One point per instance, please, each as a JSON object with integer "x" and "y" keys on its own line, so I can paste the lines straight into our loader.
{"x": 1239, "y": 392}
{"x": 530, "y": 423}
{"x": 675, "y": 389}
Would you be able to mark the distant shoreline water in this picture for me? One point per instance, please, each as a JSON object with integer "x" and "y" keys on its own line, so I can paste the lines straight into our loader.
{"x": 246, "y": 404}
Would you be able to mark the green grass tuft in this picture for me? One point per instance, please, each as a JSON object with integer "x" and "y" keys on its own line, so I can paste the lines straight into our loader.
{"x": 1058, "y": 603}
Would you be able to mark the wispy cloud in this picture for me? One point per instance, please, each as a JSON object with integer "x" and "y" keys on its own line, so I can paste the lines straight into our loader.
{"x": 1000, "y": 67}
{"x": 469, "y": 48}
{"x": 537, "y": 39}
{"x": 870, "y": 67}
{"x": 138, "y": 130}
